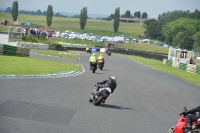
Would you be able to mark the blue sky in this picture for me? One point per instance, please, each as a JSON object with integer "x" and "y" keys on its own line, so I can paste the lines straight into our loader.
{"x": 106, "y": 7}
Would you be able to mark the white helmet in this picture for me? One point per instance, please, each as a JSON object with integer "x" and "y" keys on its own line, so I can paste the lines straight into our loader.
{"x": 114, "y": 77}
{"x": 93, "y": 54}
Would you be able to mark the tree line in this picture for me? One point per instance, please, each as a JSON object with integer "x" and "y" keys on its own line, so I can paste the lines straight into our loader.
{"x": 38, "y": 12}
{"x": 49, "y": 14}
{"x": 177, "y": 28}
{"x": 128, "y": 14}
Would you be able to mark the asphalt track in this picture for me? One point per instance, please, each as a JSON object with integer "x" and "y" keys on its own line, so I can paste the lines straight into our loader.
{"x": 145, "y": 101}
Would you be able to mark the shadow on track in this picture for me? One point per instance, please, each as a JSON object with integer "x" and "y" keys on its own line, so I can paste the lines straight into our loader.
{"x": 98, "y": 73}
{"x": 114, "y": 107}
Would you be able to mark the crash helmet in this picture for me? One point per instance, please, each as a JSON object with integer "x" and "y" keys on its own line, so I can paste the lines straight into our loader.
{"x": 93, "y": 54}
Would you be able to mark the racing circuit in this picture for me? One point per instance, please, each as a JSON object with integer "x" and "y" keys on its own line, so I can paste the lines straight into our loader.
{"x": 145, "y": 101}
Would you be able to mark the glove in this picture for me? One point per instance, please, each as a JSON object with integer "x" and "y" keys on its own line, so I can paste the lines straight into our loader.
{"x": 98, "y": 82}
{"x": 184, "y": 113}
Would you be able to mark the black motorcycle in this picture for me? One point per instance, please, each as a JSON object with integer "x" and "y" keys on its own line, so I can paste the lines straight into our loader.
{"x": 100, "y": 64}
{"x": 100, "y": 96}
{"x": 88, "y": 51}
{"x": 109, "y": 53}
{"x": 93, "y": 67}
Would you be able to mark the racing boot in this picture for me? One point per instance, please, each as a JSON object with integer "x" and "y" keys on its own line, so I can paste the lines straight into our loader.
{"x": 91, "y": 99}
{"x": 188, "y": 128}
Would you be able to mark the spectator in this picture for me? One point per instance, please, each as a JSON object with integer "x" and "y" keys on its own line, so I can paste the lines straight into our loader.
{"x": 5, "y": 22}
{"x": 191, "y": 60}
{"x": 26, "y": 31}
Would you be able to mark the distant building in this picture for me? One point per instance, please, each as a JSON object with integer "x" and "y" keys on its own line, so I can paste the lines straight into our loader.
{"x": 133, "y": 20}
{"x": 43, "y": 28}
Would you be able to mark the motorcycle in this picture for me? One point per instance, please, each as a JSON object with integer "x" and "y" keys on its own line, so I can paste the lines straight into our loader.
{"x": 181, "y": 126}
{"x": 93, "y": 67}
{"x": 100, "y": 64}
{"x": 109, "y": 53}
{"x": 88, "y": 51}
{"x": 100, "y": 96}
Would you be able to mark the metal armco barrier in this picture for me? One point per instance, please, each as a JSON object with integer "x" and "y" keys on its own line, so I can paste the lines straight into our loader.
{"x": 140, "y": 53}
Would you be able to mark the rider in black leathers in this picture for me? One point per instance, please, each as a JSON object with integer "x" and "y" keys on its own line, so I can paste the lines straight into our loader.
{"x": 191, "y": 116}
{"x": 109, "y": 82}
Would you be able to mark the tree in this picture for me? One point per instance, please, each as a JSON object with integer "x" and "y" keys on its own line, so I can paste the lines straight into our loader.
{"x": 9, "y": 9}
{"x": 49, "y": 15}
{"x": 144, "y": 15}
{"x": 127, "y": 14}
{"x": 58, "y": 14}
{"x": 196, "y": 38}
{"x": 172, "y": 16}
{"x": 44, "y": 13}
{"x": 39, "y": 12}
{"x": 83, "y": 18}
{"x": 14, "y": 11}
{"x": 111, "y": 16}
{"x": 116, "y": 19}
{"x": 153, "y": 29}
{"x": 137, "y": 14}
{"x": 195, "y": 15}
{"x": 180, "y": 33}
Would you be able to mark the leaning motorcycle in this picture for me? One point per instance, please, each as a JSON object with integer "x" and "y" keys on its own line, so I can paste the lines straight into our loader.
{"x": 93, "y": 67}
{"x": 181, "y": 126}
{"x": 109, "y": 53}
{"x": 88, "y": 51}
{"x": 100, "y": 63}
{"x": 100, "y": 96}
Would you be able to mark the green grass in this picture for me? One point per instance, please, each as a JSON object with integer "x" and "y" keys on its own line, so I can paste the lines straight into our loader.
{"x": 24, "y": 65}
{"x": 92, "y": 26}
{"x": 144, "y": 47}
{"x": 28, "y": 65}
{"x": 75, "y": 41}
{"x": 62, "y": 54}
{"x": 193, "y": 78}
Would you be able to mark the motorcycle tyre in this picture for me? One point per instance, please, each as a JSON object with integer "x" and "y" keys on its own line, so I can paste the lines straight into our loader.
{"x": 93, "y": 69}
{"x": 101, "y": 66}
{"x": 98, "y": 101}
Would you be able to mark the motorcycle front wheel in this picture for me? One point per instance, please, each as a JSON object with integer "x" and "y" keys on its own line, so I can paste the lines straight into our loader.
{"x": 98, "y": 101}
{"x": 172, "y": 129}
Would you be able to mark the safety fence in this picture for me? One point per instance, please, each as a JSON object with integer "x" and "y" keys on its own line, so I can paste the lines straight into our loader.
{"x": 186, "y": 67}
{"x": 13, "y": 51}
{"x": 152, "y": 55}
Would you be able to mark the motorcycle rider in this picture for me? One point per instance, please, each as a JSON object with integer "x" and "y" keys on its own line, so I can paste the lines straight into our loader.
{"x": 101, "y": 57}
{"x": 109, "y": 82}
{"x": 93, "y": 59}
{"x": 88, "y": 50}
{"x": 192, "y": 115}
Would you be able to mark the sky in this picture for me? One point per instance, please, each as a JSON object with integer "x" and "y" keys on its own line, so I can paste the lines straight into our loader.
{"x": 105, "y": 7}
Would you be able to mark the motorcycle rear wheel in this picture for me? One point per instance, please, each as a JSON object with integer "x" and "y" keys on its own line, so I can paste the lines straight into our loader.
{"x": 93, "y": 69}
{"x": 98, "y": 101}
{"x": 172, "y": 129}
{"x": 101, "y": 66}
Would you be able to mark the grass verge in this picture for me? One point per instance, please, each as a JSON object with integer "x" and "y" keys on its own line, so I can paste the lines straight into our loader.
{"x": 62, "y": 54}
{"x": 28, "y": 65}
{"x": 190, "y": 77}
